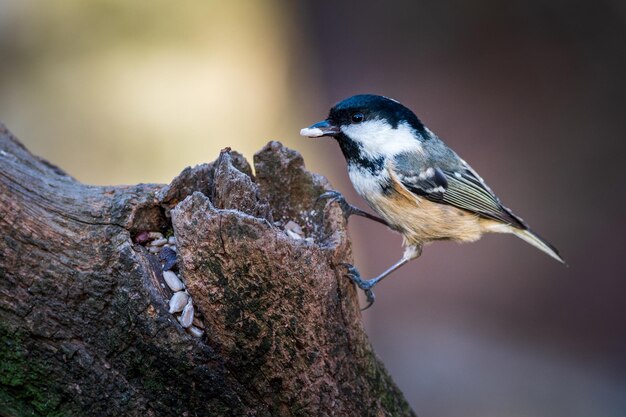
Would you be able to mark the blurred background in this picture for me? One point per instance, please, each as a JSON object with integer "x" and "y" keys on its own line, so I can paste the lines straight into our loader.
{"x": 531, "y": 93}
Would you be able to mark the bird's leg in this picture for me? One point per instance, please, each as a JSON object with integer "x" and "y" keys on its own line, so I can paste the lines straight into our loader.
{"x": 411, "y": 252}
{"x": 348, "y": 209}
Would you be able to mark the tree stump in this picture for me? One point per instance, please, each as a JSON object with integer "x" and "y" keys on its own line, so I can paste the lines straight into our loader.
{"x": 84, "y": 323}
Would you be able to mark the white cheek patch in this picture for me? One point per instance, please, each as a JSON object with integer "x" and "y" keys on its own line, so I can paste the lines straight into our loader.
{"x": 378, "y": 138}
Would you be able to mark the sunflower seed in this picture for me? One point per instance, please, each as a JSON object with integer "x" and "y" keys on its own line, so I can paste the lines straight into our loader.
{"x": 293, "y": 235}
{"x": 155, "y": 235}
{"x": 173, "y": 281}
{"x": 168, "y": 257}
{"x": 194, "y": 331}
{"x": 186, "y": 317}
{"x": 142, "y": 238}
{"x": 178, "y": 301}
{"x": 159, "y": 242}
{"x": 294, "y": 227}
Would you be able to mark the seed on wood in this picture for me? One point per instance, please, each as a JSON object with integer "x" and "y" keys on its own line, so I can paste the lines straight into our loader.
{"x": 293, "y": 235}
{"x": 173, "y": 281}
{"x": 142, "y": 237}
{"x": 159, "y": 242}
{"x": 155, "y": 235}
{"x": 168, "y": 257}
{"x": 294, "y": 227}
{"x": 178, "y": 302}
{"x": 186, "y": 317}
{"x": 194, "y": 331}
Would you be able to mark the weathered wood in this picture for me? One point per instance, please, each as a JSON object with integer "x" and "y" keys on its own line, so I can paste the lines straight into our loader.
{"x": 84, "y": 323}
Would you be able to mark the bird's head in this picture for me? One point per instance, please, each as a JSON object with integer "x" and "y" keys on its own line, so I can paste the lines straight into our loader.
{"x": 370, "y": 125}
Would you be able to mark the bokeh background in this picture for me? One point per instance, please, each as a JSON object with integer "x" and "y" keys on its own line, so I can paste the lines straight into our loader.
{"x": 531, "y": 93}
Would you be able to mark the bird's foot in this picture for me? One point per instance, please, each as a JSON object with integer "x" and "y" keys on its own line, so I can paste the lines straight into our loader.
{"x": 365, "y": 285}
{"x": 348, "y": 209}
{"x": 336, "y": 196}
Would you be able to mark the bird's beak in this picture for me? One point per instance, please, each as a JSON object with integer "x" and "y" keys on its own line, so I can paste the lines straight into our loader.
{"x": 323, "y": 128}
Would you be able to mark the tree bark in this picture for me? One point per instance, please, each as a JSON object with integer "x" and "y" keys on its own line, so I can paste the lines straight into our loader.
{"x": 84, "y": 321}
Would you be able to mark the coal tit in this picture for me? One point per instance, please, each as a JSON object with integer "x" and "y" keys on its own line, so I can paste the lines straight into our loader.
{"x": 419, "y": 186}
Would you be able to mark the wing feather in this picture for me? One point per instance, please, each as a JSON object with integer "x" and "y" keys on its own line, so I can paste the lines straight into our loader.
{"x": 462, "y": 188}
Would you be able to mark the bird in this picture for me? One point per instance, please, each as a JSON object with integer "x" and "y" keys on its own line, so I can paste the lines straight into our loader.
{"x": 418, "y": 186}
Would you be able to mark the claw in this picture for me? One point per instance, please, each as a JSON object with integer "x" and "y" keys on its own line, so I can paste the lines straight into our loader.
{"x": 348, "y": 209}
{"x": 330, "y": 195}
{"x": 370, "y": 299}
{"x": 355, "y": 276}
{"x": 338, "y": 197}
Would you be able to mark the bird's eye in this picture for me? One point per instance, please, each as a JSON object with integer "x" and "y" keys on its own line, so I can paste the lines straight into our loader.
{"x": 357, "y": 117}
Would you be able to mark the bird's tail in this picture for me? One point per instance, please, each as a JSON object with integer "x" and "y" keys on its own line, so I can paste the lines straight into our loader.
{"x": 538, "y": 242}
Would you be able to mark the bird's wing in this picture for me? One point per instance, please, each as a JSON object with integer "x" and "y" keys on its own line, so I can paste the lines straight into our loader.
{"x": 461, "y": 187}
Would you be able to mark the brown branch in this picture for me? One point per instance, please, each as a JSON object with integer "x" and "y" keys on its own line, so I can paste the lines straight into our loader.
{"x": 84, "y": 321}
